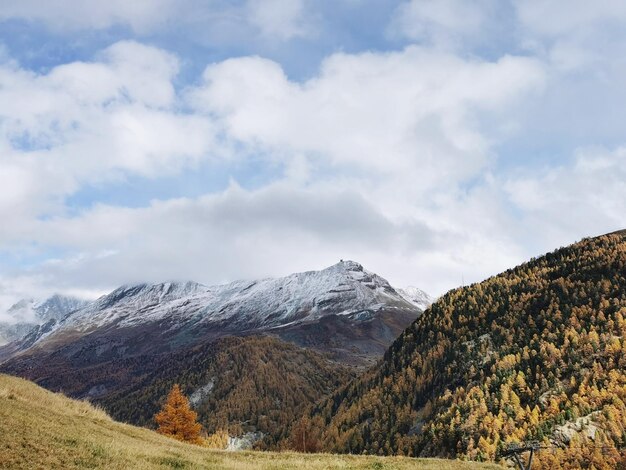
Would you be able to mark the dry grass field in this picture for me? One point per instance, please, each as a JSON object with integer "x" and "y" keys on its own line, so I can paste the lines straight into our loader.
{"x": 44, "y": 430}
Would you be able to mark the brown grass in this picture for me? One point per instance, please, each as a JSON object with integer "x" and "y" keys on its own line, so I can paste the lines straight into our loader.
{"x": 44, "y": 430}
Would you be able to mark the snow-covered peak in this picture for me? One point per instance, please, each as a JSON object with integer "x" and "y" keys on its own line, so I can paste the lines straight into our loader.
{"x": 57, "y": 307}
{"x": 40, "y": 311}
{"x": 345, "y": 265}
{"x": 27, "y": 314}
{"x": 416, "y": 296}
{"x": 341, "y": 289}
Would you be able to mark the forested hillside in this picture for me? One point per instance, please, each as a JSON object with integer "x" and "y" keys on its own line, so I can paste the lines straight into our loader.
{"x": 535, "y": 353}
{"x": 249, "y": 384}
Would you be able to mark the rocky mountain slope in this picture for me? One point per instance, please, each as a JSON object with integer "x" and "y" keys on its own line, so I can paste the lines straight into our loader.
{"x": 535, "y": 353}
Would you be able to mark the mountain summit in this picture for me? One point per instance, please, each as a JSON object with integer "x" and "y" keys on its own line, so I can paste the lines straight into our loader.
{"x": 275, "y": 344}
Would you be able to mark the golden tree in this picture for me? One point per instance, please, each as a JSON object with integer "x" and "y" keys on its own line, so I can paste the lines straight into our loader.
{"x": 176, "y": 419}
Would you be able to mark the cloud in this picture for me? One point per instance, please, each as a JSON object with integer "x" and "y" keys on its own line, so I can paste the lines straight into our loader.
{"x": 561, "y": 17}
{"x": 389, "y": 158}
{"x": 410, "y": 114}
{"x": 233, "y": 234}
{"x": 443, "y": 22}
{"x": 282, "y": 19}
{"x": 140, "y": 15}
{"x": 90, "y": 122}
{"x": 585, "y": 197}
{"x": 275, "y": 230}
{"x": 270, "y": 19}
{"x": 372, "y": 160}
{"x": 573, "y": 34}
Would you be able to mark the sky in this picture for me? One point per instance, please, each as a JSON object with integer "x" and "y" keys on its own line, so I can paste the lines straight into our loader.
{"x": 437, "y": 142}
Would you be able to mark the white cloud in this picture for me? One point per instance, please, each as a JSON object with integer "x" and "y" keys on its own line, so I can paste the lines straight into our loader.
{"x": 269, "y": 19}
{"x": 84, "y": 123}
{"x": 82, "y": 14}
{"x": 410, "y": 115}
{"x": 443, "y": 22}
{"x": 556, "y": 18}
{"x": 385, "y": 159}
{"x": 375, "y": 151}
{"x": 275, "y": 230}
{"x": 584, "y": 198}
{"x": 282, "y": 19}
{"x": 574, "y": 34}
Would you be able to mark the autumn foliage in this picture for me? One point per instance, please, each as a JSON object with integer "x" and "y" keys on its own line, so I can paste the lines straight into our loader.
{"x": 537, "y": 353}
{"x": 217, "y": 440}
{"x": 305, "y": 435}
{"x": 176, "y": 419}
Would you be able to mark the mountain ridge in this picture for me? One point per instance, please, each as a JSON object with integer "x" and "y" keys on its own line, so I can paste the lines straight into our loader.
{"x": 345, "y": 288}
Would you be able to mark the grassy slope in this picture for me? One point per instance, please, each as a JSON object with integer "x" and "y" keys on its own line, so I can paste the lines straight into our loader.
{"x": 40, "y": 429}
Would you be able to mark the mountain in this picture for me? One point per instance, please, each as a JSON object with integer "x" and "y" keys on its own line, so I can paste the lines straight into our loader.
{"x": 134, "y": 341}
{"x": 343, "y": 289}
{"x": 535, "y": 353}
{"x": 29, "y": 313}
{"x": 343, "y": 309}
{"x": 416, "y": 296}
{"x": 44, "y": 430}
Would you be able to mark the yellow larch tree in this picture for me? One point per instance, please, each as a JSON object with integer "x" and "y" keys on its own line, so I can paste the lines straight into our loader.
{"x": 177, "y": 420}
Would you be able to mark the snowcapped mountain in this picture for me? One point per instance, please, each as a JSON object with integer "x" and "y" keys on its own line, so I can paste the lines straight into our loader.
{"x": 29, "y": 313}
{"x": 42, "y": 310}
{"x": 341, "y": 307}
{"x": 416, "y": 296}
{"x": 342, "y": 289}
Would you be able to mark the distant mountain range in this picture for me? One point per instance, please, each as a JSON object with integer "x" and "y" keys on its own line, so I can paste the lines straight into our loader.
{"x": 187, "y": 312}
{"x": 141, "y": 338}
